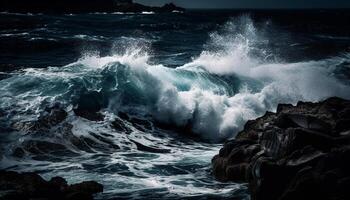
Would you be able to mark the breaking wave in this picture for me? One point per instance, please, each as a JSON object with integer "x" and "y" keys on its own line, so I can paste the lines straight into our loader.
{"x": 234, "y": 80}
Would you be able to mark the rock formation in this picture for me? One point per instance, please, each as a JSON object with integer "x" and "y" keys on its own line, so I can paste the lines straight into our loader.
{"x": 300, "y": 152}
{"x": 23, "y": 186}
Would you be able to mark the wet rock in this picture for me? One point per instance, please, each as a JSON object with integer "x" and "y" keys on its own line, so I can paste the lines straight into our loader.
{"x": 27, "y": 186}
{"x": 303, "y": 121}
{"x": 300, "y": 152}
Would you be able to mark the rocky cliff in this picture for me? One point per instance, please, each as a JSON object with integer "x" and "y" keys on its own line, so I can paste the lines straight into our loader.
{"x": 300, "y": 152}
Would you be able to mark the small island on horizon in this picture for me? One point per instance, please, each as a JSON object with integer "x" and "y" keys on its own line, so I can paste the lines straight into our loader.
{"x": 82, "y": 6}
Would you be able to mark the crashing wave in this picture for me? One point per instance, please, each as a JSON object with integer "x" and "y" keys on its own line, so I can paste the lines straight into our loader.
{"x": 214, "y": 95}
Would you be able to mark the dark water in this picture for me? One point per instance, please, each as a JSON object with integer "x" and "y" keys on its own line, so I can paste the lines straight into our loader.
{"x": 177, "y": 85}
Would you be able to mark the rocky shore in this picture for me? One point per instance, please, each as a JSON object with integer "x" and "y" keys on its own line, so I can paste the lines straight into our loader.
{"x": 300, "y": 152}
{"x": 81, "y": 6}
{"x": 22, "y": 186}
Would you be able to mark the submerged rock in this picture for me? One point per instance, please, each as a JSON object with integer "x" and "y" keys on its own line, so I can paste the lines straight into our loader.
{"x": 300, "y": 152}
{"x": 24, "y": 186}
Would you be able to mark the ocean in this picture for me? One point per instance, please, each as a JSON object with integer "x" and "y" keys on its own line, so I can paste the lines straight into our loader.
{"x": 169, "y": 88}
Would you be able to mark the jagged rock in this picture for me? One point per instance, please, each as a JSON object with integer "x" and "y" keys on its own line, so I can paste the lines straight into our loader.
{"x": 300, "y": 152}
{"x": 25, "y": 186}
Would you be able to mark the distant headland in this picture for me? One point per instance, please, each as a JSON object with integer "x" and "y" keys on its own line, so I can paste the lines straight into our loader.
{"x": 81, "y": 6}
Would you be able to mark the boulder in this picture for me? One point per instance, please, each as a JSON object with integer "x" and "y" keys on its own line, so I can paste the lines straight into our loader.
{"x": 300, "y": 152}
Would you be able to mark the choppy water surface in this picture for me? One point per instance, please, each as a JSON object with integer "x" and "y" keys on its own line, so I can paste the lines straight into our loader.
{"x": 171, "y": 87}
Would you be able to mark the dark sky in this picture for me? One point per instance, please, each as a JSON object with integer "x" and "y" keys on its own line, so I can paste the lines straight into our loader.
{"x": 253, "y": 3}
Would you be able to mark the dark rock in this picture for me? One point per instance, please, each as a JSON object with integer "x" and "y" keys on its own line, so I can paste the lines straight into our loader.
{"x": 27, "y": 186}
{"x": 301, "y": 152}
{"x": 303, "y": 121}
{"x": 59, "y": 183}
{"x": 78, "y": 195}
{"x": 282, "y": 107}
